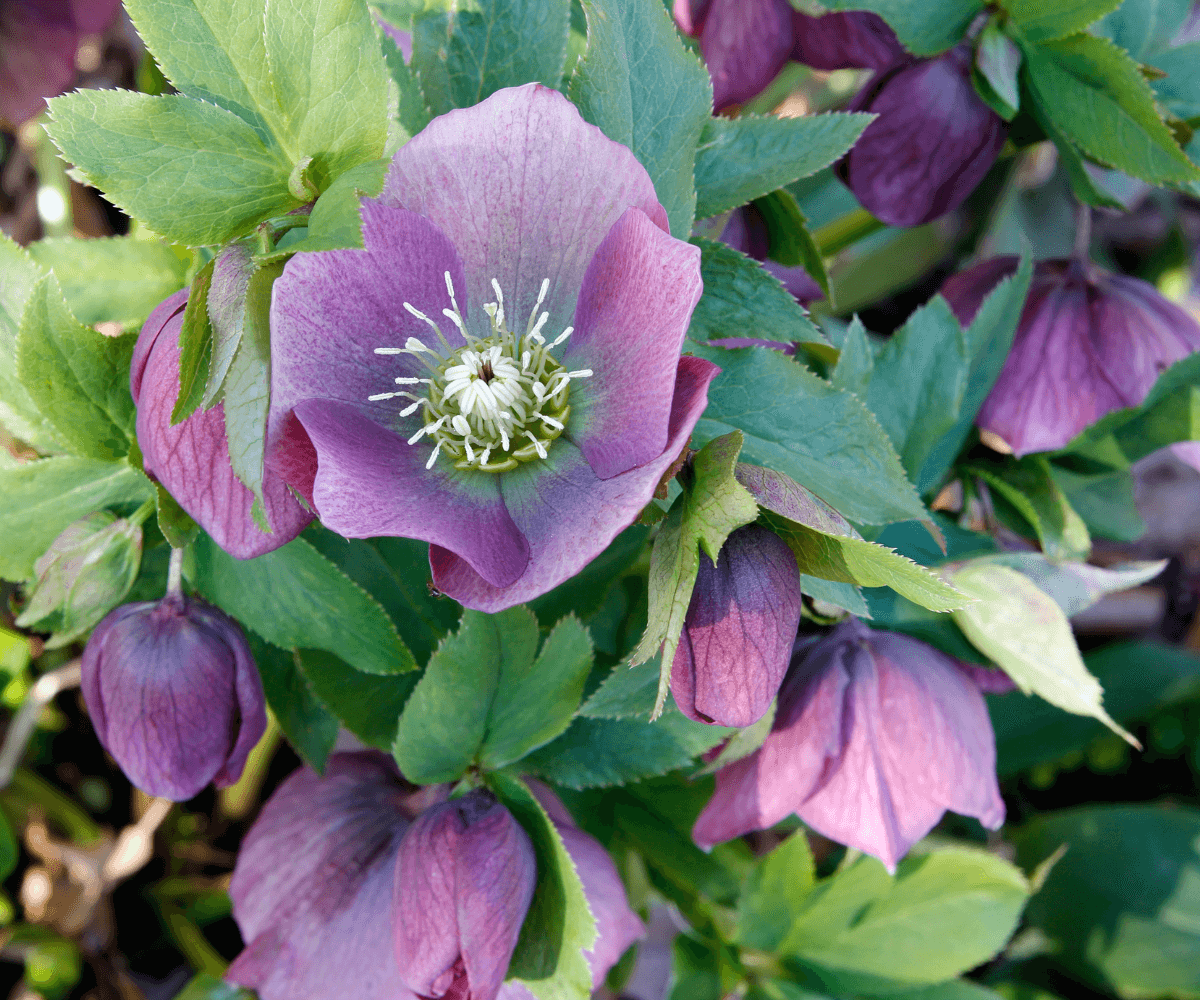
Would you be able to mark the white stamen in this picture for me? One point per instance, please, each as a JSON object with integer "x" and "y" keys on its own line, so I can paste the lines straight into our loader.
{"x": 433, "y": 458}
{"x": 413, "y": 345}
{"x": 408, "y": 411}
{"x": 417, "y": 437}
{"x": 537, "y": 445}
{"x": 467, "y": 446}
{"x": 556, "y": 424}
{"x": 414, "y": 381}
{"x": 487, "y": 453}
{"x": 536, "y": 332}
{"x": 390, "y": 350}
{"x": 581, "y": 373}
{"x": 499, "y": 301}
{"x": 563, "y": 336}
{"x": 383, "y": 395}
{"x": 459, "y": 423}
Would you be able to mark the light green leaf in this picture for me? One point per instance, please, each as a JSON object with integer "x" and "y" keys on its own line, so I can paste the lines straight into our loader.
{"x": 775, "y": 893}
{"x": 172, "y": 162}
{"x": 1028, "y": 485}
{"x": 1028, "y": 635}
{"x": 336, "y": 222}
{"x": 1144, "y": 27}
{"x": 1076, "y": 586}
{"x": 1040, "y": 21}
{"x": 297, "y": 599}
{"x": 643, "y": 89}
{"x": 997, "y": 60}
{"x": 369, "y": 705}
{"x": 925, "y": 29}
{"x": 412, "y": 110}
{"x": 467, "y": 53}
{"x": 1179, "y": 90}
{"x": 740, "y": 159}
{"x": 309, "y": 727}
{"x": 77, "y": 377}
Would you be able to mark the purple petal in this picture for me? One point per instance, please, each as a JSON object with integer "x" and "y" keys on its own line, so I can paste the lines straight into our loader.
{"x": 312, "y": 890}
{"x": 745, "y": 44}
{"x": 965, "y": 291}
{"x": 566, "y": 512}
{"x": 989, "y": 680}
{"x": 155, "y": 322}
{"x": 738, "y": 634}
{"x": 784, "y": 496}
{"x": 855, "y": 40}
{"x": 690, "y": 15}
{"x": 933, "y": 142}
{"x": 633, "y": 313}
{"x": 191, "y": 459}
{"x": 525, "y": 190}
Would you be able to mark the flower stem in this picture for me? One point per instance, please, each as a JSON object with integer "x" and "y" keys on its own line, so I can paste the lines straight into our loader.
{"x": 175, "y": 573}
{"x": 1083, "y": 232}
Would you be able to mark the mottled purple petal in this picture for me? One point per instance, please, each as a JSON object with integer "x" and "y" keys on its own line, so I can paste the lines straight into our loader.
{"x": 738, "y": 634}
{"x": 567, "y": 513}
{"x": 155, "y": 322}
{"x": 854, "y": 40}
{"x": 989, "y": 680}
{"x": 634, "y": 308}
{"x": 784, "y": 496}
{"x": 526, "y": 190}
{"x": 745, "y": 44}
{"x": 933, "y": 142}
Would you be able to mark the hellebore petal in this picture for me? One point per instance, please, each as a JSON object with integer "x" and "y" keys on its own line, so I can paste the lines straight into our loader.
{"x": 738, "y": 633}
{"x": 854, "y": 40}
{"x": 932, "y": 144}
{"x": 312, "y": 889}
{"x": 191, "y": 459}
{"x": 465, "y": 876}
{"x": 1088, "y": 342}
{"x": 875, "y": 736}
{"x": 174, "y": 695}
{"x": 747, "y": 231}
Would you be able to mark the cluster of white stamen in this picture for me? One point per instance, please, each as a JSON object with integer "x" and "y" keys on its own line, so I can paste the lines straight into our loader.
{"x": 485, "y": 400}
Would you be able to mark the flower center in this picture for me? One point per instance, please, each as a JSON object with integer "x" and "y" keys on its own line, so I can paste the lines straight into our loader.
{"x": 495, "y": 402}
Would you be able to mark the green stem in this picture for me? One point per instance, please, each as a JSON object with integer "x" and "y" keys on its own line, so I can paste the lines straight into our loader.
{"x": 190, "y": 940}
{"x": 28, "y": 789}
{"x": 846, "y": 231}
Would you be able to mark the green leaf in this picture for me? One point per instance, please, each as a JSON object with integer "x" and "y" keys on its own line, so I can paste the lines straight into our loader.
{"x": 925, "y": 29}
{"x": 1044, "y": 22}
{"x": 585, "y": 593}
{"x": 172, "y": 162}
{"x": 740, "y": 159}
{"x": 997, "y": 60}
{"x": 549, "y": 958}
{"x": 10, "y": 853}
{"x": 1027, "y": 484}
{"x": 336, "y": 222}
{"x": 39, "y": 499}
{"x": 466, "y": 54}
{"x": 626, "y": 693}
{"x": 1076, "y": 586}
{"x": 841, "y": 595}
{"x": 304, "y": 720}
{"x": 1083, "y": 186}
{"x": 790, "y": 241}
{"x": 711, "y": 506}
{"x": 1105, "y": 502}
{"x": 1143, "y": 27}
{"x": 775, "y": 893}
{"x": 596, "y": 753}
{"x": 741, "y": 299}
{"x": 856, "y": 361}
{"x": 297, "y": 599}
{"x": 77, "y": 377}
{"x": 1121, "y": 908}
{"x": 1179, "y": 90}
{"x": 117, "y": 279}
{"x": 820, "y": 436}
{"x": 641, "y": 87}
{"x": 485, "y": 698}
{"x": 369, "y": 705}
{"x": 1026, "y": 633}
{"x": 942, "y": 914}
{"x": 1095, "y": 94}
{"x": 195, "y": 347}
{"x": 412, "y": 110}
{"x": 206, "y": 987}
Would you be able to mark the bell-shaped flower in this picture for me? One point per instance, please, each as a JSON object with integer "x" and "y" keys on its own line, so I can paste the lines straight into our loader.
{"x": 875, "y": 736}
{"x": 739, "y": 630}
{"x": 746, "y": 231}
{"x": 174, "y": 694}
{"x": 38, "y": 42}
{"x": 932, "y": 144}
{"x": 191, "y": 459}
{"x": 1088, "y": 342}
{"x": 498, "y": 371}
{"x": 465, "y": 877}
{"x": 852, "y": 40}
{"x": 312, "y": 889}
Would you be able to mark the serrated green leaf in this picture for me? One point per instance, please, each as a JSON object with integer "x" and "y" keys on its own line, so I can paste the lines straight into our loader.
{"x": 925, "y": 29}
{"x": 1083, "y": 185}
{"x": 856, "y": 361}
{"x": 77, "y": 377}
{"x": 740, "y": 159}
{"x": 1076, "y": 586}
{"x": 297, "y": 599}
{"x": 626, "y": 693}
{"x": 412, "y": 110}
{"x": 1044, "y": 22}
{"x": 369, "y": 705}
{"x": 1028, "y": 485}
{"x": 997, "y": 60}
{"x": 195, "y": 347}
{"x": 309, "y": 727}
{"x": 643, "y": 89}
{"x": 775, "y": 893}
{"x": 336, "y": 220}
{"x": 196, "y": 154}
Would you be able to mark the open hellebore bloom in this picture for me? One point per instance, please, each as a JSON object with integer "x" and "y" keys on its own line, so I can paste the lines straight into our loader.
{"x": 464, "y": 880}
{"x": 738, "y": 633}
{"x": 875, "y": 736}
{"x": 1088, "y": 342}
{"x": 312, "y": 890}
{"x": 174, "y": 695}
{"x": 933, "y": 142}
{"x": 38, "y": 41}
{"x": 191, "y": 459}
{"x": 498, "y": 371}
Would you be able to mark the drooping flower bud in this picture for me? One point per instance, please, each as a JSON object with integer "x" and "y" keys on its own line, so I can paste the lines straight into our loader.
{"x": 738, "y": 634}
{"x": 312, "y": 890}
{"x": 465, "y": 876}
{"x": 933, "y": 142}
{"x": 174, "y": 695}
{"x": 876, "y": 735}
{"x": 85, "y": 573}
{"x": 853, "y": 40}
{"x": 1088, "y": 342}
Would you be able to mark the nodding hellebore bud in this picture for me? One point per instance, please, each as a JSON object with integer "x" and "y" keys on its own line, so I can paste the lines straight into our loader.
{"x": 739, "y": 630}
{"x": 174, "y": 695}
{"x": 465, "y": 877}
{"x": 1088, "y": 342}
{"x": 932, "y": 144}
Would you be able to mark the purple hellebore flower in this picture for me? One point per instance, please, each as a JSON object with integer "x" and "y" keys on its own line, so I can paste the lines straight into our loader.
{"x": 38, "y": 41}
{"x": 932, "y": 144}
{"x": 738, "y": 633}
{"x": 174, "y": 694}
{"x": 875, "y": 736}
{"x": 1088, "y": 342}
{"x": 853, "y": 40}
{"x": 312, "y": 889}
{"x": 191, "y": 459}
{"x": 518, "y": 465}
{"x": 747, "y": 231}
